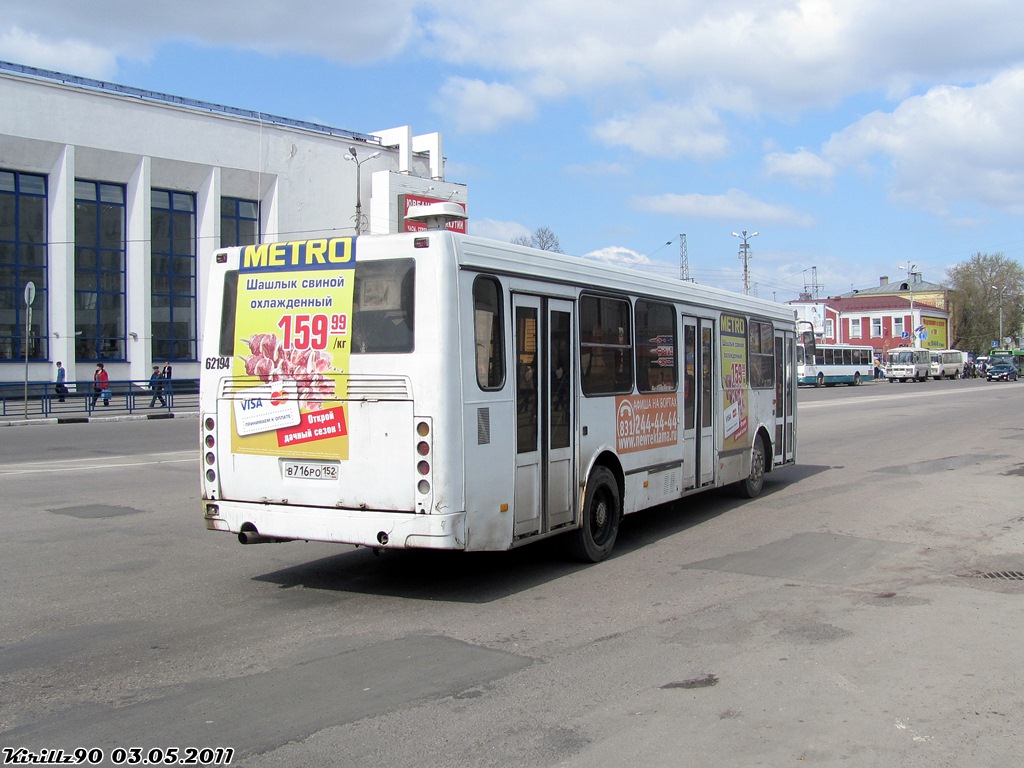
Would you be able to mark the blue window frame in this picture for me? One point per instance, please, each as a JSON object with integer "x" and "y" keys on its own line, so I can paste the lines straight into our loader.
{"x": 100, "y": 225}
{"x": 173, "y": 272}
{"x": 239, "y": 222}
{"x": 23, "y": 259}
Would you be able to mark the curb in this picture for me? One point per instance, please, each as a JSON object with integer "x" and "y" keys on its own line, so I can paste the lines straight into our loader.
{"x": 48, "y": 420}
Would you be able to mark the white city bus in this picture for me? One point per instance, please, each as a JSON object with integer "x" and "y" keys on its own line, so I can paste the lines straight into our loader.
{"x": 436, "y": 390}
{"x": 834, "y": 364}
{"x": 905, "y": 363}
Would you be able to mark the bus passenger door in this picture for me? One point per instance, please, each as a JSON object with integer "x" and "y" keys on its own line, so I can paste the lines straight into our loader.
{"x": 558, "y": 416}
{"x": 706, "y": 409}
{"x": 544, "y": 414}
{"x": 785, "y": 407}
{"x": 691, "y": 377}
{"x": 698, "y": 402}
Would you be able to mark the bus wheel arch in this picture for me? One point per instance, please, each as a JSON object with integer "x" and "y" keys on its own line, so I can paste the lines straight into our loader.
{"x": 760, "y": 465}
{"x": 601, "y": 514}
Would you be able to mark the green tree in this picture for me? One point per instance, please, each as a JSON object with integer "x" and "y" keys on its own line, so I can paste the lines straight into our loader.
{"x": 979, "y": 287}
{"x": 543, "y": 238}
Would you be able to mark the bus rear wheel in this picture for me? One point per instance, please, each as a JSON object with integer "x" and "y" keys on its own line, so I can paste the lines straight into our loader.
{"x": 751, "y": 487}
{"x": 592, "y": 542}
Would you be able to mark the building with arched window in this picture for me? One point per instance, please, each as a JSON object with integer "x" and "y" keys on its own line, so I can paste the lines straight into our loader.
{"x": 114, "y": 199}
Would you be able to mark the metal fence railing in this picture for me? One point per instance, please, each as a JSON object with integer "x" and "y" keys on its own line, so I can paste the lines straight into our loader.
{"x": 125, "y": 396}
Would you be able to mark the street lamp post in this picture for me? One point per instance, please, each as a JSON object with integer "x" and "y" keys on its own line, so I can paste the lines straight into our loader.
{"x": 359, "y": 198}
{"x": 1000, "y": 289}
{"x": 745, "y": 255}
{"x": 910, "y": 284}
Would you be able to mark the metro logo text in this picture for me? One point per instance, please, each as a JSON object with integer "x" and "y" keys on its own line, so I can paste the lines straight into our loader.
{"x": 323, "y": 253}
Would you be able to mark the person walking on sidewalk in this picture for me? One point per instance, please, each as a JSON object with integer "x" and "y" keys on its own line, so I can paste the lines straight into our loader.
{"x": 100, "y": 385}
{"x": 156, "y": 385}
{"x": 59, "y": 386}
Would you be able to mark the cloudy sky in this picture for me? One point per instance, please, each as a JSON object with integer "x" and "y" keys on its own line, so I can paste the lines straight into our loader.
{"x": 855, "y": 136}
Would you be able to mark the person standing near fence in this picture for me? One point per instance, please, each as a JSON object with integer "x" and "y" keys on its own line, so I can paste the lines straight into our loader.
{"x": 166, "y": 374}
{"x": 156, "y": 385}
{"x": 100, "y": 385}
{"x": 59, "y": 386}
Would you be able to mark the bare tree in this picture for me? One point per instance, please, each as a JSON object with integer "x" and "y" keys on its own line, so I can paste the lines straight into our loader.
{"x": 982, "y": 288}
{"x": 543, "y": 238}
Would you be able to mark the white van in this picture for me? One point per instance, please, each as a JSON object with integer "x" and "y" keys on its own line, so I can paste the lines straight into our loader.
{"x": 947, "y": 363}
{"x": 907, "y": 363}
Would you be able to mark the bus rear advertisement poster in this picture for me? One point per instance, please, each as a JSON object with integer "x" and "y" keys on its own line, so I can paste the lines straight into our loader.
{"x": 292, "y": 343}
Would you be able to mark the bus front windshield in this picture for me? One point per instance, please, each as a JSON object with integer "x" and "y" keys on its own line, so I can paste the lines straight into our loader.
{"x": 903, "y": 357}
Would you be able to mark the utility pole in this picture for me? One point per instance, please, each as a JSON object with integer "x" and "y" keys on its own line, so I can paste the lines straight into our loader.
{"x": 684, "y": 259}
{"x": 745, "y": 256}
{"x": 910, "y": 284}
{"x": 1000, "y": 289}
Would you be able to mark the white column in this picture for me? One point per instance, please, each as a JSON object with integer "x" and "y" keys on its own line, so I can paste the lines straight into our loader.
{"x": 208, "y": 233}
{"x": 138, "y": 269}
{"x": 61, "y": 263}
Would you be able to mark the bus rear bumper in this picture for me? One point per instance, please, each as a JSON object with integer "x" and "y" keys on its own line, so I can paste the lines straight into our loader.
{"x": 394, "y": 530}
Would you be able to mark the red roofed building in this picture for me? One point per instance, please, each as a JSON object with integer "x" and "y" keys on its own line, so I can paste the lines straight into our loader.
{"x": 890, "y": 315}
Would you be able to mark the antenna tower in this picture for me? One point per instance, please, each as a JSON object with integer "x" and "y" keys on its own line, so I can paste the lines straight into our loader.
{"x": 811, "y": 289}
{"x": 684, "y": 259}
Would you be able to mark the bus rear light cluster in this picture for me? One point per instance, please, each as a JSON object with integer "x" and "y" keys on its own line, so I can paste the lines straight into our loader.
{"x": 210, "y": 440}
{"x": 423, "y": 451}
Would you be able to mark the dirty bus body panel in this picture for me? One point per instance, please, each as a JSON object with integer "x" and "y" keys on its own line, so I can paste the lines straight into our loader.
{"x": 442, "y": 391}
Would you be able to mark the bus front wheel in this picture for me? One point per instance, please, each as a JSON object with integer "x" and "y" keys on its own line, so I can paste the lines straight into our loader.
{"x": 602, "y": 510}
{"x": 751, "y": 487}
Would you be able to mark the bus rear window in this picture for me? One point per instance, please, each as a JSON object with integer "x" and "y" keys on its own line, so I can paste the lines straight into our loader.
{"x": 384, "y": 307}
{"x": 226, "y": 344}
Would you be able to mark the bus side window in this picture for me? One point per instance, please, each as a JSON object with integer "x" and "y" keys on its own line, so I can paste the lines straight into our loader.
{"x": 761, "y": 354}
{"x": 606, "y": 346}
{"x": 488, "y": 333}
{"x": 655, "y": 347}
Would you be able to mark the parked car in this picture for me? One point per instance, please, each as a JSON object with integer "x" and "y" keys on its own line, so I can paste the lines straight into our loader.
{"x": 1001, "y": 372}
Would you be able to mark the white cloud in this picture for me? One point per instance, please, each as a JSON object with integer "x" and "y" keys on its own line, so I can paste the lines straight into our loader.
{"x": 619, "y": 256}
{"x": 79, "y": 38}
{"x": 734, "y": 205}
{"x": 664, "y": 130}
{"x": 801, "y": 167}
{"x": 75, "y": 56}
{"x": 482, "y": 107}
{"x": 949, "y": 144}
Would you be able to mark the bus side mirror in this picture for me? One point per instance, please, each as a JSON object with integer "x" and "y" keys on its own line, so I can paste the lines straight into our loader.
{"x": 809, "y": 344}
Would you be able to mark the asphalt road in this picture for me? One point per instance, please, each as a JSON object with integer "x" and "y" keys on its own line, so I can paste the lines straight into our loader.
{"x": 853, "y": 615}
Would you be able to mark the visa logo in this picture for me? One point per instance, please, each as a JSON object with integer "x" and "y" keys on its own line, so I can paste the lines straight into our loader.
{"x": 250, "y": 405}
